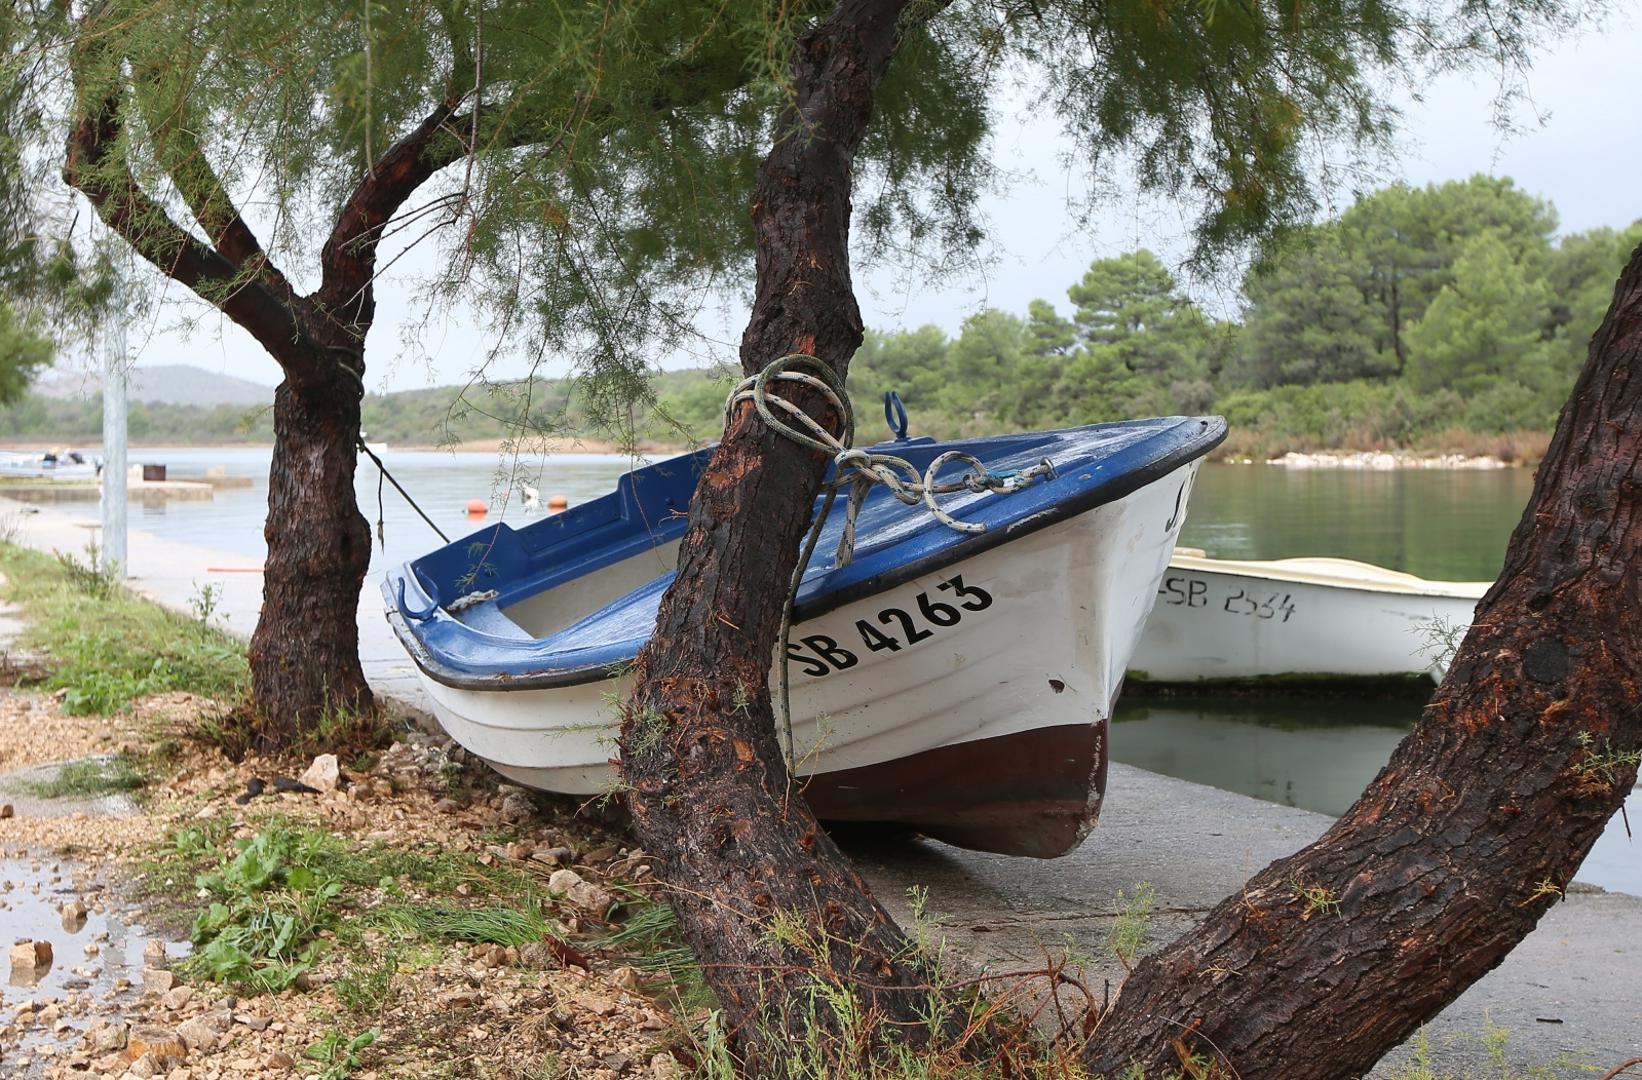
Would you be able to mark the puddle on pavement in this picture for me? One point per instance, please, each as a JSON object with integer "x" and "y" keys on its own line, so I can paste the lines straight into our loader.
{"x": 98, "y": 952}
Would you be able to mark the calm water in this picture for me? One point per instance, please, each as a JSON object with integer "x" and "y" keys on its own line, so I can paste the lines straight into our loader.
{"x": 1317, "y": 755}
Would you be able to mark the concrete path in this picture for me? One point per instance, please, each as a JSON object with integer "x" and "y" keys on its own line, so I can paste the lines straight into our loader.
{"x": 1570, "y": 995}
{"x": 173, "y": 574}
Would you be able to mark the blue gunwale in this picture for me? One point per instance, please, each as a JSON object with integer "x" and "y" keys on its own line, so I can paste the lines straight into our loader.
{"x": 482, "y": 649}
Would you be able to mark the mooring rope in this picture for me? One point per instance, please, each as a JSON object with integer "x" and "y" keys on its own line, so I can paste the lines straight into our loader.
{"x": 859, "y": 470}
{"x": 383, "y": 473}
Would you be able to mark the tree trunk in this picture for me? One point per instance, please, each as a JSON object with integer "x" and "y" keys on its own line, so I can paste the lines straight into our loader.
{"x": 778, "y": 916}
{"x": 1331, "y": 957}
{"x": 305, "y": 652}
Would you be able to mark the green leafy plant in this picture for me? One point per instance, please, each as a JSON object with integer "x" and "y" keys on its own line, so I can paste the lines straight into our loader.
{"x": 270, "y": 901}
{"x": 338, "y": 1055}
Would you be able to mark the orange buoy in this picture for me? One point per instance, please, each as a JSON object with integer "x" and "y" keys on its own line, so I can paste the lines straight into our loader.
{"x": 477, "y": 508}
{"x": 555, "y": 503}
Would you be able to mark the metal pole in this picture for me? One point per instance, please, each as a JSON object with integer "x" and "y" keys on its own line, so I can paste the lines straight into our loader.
{"x": 114, "y": 434}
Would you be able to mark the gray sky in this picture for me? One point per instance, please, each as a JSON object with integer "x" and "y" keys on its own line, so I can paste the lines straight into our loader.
{"x": 1568, "y": 149}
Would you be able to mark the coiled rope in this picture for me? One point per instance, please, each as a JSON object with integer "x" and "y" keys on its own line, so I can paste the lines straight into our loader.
{"x": 857, "y": 469}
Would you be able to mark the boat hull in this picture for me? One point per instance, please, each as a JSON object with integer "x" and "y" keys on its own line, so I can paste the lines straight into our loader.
{"x": 969, "y": 703}
{"x": 1303, "y": 621}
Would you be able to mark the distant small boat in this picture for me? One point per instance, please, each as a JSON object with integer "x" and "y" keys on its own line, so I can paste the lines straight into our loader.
{"x": 1311, "y": 620}
{"x": 49, "y": 465}
{"x": 957, "y": 683}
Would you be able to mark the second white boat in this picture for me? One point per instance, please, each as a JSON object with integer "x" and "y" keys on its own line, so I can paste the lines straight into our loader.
{"x": 1299, "y": 620}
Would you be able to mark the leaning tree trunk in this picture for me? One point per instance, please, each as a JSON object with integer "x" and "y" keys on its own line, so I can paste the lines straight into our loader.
{"x": 1331, "y": 957}
{"x": 776, "y": 914}
{"x": 304, "y": 654}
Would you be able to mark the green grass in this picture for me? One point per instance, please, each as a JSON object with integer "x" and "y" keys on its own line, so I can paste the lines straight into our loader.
{"x": 498, "y": 924}
{"x": 276, "y": 900}
{"x": 90, "y": 778}
{"x": 105, "y": 647}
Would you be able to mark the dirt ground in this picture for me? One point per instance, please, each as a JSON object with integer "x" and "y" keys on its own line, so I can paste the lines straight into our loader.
{"x": 120, "y": 999}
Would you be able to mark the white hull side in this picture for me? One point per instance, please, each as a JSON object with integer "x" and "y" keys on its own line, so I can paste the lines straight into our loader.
{"x": 1209, "y": 625}
{"x": 1050, "y": 646}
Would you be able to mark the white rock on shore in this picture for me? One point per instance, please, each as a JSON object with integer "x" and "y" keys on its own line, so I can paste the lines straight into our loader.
{"x": 1380, "y": 460}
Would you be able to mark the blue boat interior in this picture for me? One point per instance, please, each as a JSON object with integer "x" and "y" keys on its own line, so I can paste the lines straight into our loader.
{"x": 569, "y": 597}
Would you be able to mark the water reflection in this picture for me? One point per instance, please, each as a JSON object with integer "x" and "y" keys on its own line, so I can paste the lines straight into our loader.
{"x": 1316, "y": 754}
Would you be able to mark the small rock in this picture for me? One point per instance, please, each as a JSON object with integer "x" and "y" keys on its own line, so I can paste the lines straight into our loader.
{"x": 177, "y": 997}
{"x": 154, "y": 954}
{"x": 625, "y": 977}
{"x": 146, "y": 1041}
{"x": 664, "y": 1067}
{"x": 598, "y": 1006}
{"x": 461, "y": 998}
{"x": 447, "y": 806}
{"x": 6, "y": 811}
{"x": 199, "y": 1033}
{"x": 158, "y": 980}
{"x": 553, "y": 856}
{"x": 537, "y": 956}
{"x": 255, "y": 1023}
{"x": 617, "y": 1062}
{"x": 584, "y": 894}
{"x": 105, "y": 1036}
{"x": 279, "y": 1059}
{"x": 28, "y": 956}
{"x": 517, "y": 808}
{"x": 324, "y": 774}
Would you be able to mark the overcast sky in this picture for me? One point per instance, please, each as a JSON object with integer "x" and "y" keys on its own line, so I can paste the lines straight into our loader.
{"x": 1569, "y": 151}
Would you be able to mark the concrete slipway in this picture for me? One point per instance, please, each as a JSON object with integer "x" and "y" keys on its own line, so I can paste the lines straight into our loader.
{"x": 1570, "y": 995}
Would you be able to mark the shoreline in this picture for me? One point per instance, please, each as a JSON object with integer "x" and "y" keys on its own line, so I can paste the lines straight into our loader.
{"x": 565, "y": 445}
{"x": 1335, "y": 458}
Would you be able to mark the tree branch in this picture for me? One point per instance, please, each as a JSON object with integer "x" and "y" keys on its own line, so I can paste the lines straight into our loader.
{"x": 348, "y": 259}
{"x": 97, "y": 167}
{"x": 181, "y": 156}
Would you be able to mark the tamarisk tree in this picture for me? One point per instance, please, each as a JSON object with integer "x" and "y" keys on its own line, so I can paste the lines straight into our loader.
{"x": 1452, "y": 854}
{"x": 578, "y": 174}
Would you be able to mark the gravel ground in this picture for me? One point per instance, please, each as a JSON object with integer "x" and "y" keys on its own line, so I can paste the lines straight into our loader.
{"x": 458, "y": 1010}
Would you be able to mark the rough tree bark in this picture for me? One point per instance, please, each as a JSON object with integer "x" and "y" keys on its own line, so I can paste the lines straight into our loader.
{"x": 306, "y": 645}
{"x": 1331, "y": 957}
{"x": 711, "y": 799}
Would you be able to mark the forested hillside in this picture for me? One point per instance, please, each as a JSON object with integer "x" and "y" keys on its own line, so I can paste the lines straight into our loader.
{"x": 1449, "y": 317}
{"x": 1434, "y": 317}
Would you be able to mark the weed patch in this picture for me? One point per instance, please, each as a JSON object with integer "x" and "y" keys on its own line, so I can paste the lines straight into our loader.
{"x": 494, "y": 925}
{"x": 90, "y": 778}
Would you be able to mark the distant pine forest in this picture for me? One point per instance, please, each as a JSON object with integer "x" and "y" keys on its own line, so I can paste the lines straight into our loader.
{"x": 1449, "y": 318}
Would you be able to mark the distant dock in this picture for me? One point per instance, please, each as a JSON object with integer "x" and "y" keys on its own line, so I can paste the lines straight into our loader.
{"x": 193, "y": 487}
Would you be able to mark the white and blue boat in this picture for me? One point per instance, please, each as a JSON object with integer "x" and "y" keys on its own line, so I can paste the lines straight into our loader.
{"x": 958, "y": 683}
